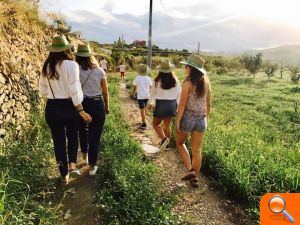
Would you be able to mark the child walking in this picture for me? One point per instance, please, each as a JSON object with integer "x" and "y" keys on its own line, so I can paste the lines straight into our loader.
{"x": 122, "y": 70}
{"x": 141, "y": 86}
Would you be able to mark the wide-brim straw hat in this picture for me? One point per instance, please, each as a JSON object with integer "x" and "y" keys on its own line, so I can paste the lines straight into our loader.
{"x": 84, "y": 50}
{"x": 59, "y": 44}
{"x": 165, "y": 66}
{"x": 195, "y": 61}
{"x": 143, "y": 69}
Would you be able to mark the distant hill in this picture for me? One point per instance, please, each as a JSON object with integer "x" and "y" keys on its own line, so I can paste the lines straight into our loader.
{"x": 285, "y": 55}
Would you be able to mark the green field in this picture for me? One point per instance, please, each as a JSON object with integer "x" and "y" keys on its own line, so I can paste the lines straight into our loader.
{"x": 252, "y": 145}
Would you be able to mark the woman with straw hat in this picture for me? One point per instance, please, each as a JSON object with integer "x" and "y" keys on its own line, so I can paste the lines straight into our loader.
{"x": 193, "y": 110}
{"x": 96, "y": 103}
{"x": 60, "y": 83}
{"x": 165, "y": 93}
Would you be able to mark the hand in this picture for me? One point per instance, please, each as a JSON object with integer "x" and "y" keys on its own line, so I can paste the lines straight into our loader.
{"x": 107, "y": 110}
{"x": 86, "y": 117}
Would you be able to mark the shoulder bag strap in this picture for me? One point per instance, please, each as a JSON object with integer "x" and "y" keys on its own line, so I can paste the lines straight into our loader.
{"x": 50, "y": 87}
{"x": 87, "y": 78}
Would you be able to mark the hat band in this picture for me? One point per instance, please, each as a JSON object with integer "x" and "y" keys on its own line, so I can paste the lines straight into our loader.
{"x": 59, "y": 45}
{"x": 84, "y": 51}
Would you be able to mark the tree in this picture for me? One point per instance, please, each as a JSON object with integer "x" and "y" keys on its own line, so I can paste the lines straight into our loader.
{"x": 252, "y": 63}
{"x": 270, "y": 69}
{"x": 295, "y": 75}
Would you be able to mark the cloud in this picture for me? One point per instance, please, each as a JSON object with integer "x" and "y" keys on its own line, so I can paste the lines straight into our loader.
{"x": 183, "y": 28}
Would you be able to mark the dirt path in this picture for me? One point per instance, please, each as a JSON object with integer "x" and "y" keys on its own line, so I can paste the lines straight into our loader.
{"x": 206, "y": 205}
{"x": 77, "y": 199}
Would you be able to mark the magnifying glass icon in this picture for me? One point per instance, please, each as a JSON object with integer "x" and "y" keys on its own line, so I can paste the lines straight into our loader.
{"x": 277, "y": 205}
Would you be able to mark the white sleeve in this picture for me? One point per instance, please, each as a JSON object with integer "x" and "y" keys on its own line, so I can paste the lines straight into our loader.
{"x": 179, "y": 93}
{"x": 43, "y": 87}
{"x": 152, "y": 94}
{"x": 74, "y": 84}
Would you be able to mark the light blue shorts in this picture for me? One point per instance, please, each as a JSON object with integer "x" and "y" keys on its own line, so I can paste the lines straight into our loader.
{"x": 191, "y": 123}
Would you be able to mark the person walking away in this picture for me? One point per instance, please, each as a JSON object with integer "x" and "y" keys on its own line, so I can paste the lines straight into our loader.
{"x": 141, "y": 86}
{"x": 59, "y": 82}
{"x": 96, "y": 103}
{"x": 165, "y": 93}
{"x": 104, "y": 64}
{"x": 122, "y": 70}
{"x": 193, "y": 110}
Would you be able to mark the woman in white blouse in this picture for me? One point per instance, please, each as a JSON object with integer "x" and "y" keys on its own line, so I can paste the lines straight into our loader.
{"x": 60, "y": 83}
{"x": 165, "y": 93}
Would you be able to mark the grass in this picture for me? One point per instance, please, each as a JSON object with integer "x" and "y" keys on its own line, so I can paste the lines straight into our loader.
{"x": 130, "y": 194}
{"x": 252, "y": 145}
{"x": 25, "y": 169}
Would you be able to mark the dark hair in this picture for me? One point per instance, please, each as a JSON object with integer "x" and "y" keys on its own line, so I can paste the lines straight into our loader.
{"x": 167, "y": 80}
{"x": 85, "y": 63}
{"x": 53, "y": 59}
{"x": 197, "y": 79}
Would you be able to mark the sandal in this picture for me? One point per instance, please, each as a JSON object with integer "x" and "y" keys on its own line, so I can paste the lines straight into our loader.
{"x": 64, "y": 180}
{"x": 194, "y": 182}
{"x": 190, "y": 175}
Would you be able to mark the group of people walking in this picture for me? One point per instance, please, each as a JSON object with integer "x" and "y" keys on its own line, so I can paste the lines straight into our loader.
{"x": 189, "y": 103}
{"x": 78, "y": 102}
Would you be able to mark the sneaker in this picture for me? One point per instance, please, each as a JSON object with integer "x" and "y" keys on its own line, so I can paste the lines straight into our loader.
{"x": 93, "y": 171}
{"x": 164, "y": 144}
{"x": 168, "y": 147}
{"x": 143, "y": 126}
{"x": 190, "y": 175}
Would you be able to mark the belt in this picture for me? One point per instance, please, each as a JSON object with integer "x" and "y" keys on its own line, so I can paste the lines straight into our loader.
{"x": 95, "y": 98}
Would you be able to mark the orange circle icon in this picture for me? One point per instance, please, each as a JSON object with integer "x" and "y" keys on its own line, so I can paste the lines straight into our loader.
{"x": 277, "y": 204}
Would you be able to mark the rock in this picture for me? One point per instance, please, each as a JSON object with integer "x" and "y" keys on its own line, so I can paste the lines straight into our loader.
{"x": 149, "y": 149}
{"x": 2, "y": 132}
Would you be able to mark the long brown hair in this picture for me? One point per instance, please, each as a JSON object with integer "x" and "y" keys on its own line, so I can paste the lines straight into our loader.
{"x": 197, "y": 79}
{"x": 52, "y": 60}
{"x": 167, "y": 80}
{"x": 85, "y": 63}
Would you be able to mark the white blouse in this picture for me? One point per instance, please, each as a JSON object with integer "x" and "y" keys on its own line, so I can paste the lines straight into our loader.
{"x": 67, "y": 86}
{"x": 170, "y": 94}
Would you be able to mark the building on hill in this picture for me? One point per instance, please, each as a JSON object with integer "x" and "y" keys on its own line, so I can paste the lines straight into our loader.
{"x": 138, "y": 43}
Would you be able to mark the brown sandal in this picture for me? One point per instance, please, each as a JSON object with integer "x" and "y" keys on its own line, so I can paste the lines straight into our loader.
{"x": 190, "y": 175}
{"x": 194, "y": 182}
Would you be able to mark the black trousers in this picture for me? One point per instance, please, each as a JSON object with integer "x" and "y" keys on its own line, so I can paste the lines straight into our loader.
{"x": 90, "y": 134}
{"x": 62, "y": 118}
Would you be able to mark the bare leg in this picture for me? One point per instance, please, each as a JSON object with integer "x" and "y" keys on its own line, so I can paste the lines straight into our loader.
{"x": 156, "y": 125}
{"x": 196, "y": 142}
{"x": 167, "y": 128}
{"x": 184, "y": 153}
{"x": 143, "y": 115}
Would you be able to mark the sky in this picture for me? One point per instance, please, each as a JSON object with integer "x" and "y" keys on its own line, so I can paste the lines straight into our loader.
{"x": 219, "y": 25}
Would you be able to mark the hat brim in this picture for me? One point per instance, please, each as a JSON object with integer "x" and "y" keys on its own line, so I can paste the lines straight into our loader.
{"x": 147, "y": 72}
{"x": 89, "y": 54}
{"x": 172, "y": 67}
{"x": 58, "y": 49}
{"x": 201, "y": 69}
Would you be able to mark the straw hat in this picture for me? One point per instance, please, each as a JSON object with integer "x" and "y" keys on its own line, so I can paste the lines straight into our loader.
{"x": 195, "y": 61}
{"x": 59, "y": 44}
{"x": 143, "y": 69}
{"x": 165, "y": 66}
{"x": 84, "y": 50}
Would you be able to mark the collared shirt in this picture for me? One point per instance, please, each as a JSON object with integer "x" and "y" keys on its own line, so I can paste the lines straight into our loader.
{"x": 67, "y": 86}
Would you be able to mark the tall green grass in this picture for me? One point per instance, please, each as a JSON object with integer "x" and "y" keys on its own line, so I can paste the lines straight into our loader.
{"x": 24, "y": 172}
{"x": 130, "y": 194}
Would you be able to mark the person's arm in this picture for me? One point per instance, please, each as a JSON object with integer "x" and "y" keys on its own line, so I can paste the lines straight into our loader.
{"x": 183, "y": 100}
{"x": 134, "y": 84}
{"x": 179, "y": 93}
{"x": 208, "y": 99}
{"x": 75, "y": 90}
{"x": 105, "y": 94}
{"x": 43, "y": 88}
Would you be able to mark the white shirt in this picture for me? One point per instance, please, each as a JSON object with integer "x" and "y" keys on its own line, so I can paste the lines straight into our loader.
{"x": 165, "y": 94}
{"x": 122, "y": 68}
{"x": 103, "y": 64}
{"x": 67, "y": 86}
{"x": 143, "y": 84}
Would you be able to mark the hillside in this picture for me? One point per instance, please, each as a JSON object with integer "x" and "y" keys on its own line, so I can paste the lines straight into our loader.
{"x": 285, "y": 55}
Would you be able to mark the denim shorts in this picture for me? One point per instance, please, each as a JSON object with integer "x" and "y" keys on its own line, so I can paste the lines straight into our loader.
{"x": 191, "y": 123}
{"x": 142, "y": 103}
